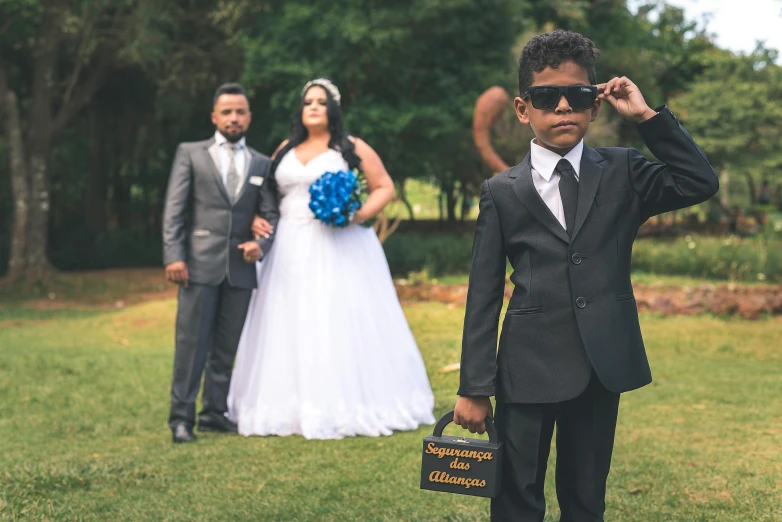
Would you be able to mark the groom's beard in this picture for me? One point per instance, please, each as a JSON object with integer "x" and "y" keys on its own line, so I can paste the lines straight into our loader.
{"x": 234, "y": 136}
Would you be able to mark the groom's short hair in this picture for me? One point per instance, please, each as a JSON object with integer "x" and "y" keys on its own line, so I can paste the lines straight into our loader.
{"x": 228, "y": 88}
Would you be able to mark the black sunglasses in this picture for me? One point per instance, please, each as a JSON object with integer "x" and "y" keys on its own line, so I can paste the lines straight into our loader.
{"x": 579, "y": 97}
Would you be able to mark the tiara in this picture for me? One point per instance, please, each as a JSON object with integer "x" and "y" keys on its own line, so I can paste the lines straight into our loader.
{"x": 326, "y": 84}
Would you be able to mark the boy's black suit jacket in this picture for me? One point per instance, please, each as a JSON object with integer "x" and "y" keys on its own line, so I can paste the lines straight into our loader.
{"x": 572, "y": 307}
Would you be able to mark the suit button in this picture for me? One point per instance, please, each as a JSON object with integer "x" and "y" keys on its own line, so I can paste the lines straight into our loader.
{"x": 576, "y": 259}
{"x": 581, "y": 302}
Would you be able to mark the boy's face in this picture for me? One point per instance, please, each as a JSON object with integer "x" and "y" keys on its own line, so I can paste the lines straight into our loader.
{"x": 561, "y": 128}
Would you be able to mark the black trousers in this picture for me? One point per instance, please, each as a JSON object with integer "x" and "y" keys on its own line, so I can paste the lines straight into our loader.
{"x": 209, "y": 323}
{"x": 585, "y": 441}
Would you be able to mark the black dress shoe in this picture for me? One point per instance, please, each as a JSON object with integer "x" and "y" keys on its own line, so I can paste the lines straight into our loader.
{"x": 217, "y": 424}
{"x": 181, "y": 433}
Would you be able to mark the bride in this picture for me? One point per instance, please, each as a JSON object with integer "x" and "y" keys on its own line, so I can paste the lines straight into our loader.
{"x": 326, "y": 351}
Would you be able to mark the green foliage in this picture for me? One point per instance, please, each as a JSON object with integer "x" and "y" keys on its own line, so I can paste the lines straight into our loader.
{"x": 423, "y": 198}
{"x": 126, "y": 247}
{"x": 409, "y": 72}
{"x": 659, "y": 49}
{"x": 438, "y": 254}
{"x": 734, "y": 112}
{"x": 726, "y": 258}
{"x": 133, "y": 78}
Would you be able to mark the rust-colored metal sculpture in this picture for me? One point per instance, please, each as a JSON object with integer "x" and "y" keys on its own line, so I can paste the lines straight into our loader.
{"x": 488, "y": 107}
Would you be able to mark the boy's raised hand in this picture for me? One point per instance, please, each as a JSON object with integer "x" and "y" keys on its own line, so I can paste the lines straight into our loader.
{"x": 626, "y": 98}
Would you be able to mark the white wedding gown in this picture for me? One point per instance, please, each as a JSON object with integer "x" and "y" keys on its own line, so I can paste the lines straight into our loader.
{"x": 326, "y": 351}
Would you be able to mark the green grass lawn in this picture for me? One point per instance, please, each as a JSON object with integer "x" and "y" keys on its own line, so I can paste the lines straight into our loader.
{"x": 83, "y": 435}
{"x": 424, "y": 199}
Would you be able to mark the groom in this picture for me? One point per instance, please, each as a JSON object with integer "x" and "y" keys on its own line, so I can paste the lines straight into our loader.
{"x": 215, "y": 189}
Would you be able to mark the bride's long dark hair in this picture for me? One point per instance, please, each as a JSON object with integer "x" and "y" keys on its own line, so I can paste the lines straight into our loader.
{"x": 339, "y": 140}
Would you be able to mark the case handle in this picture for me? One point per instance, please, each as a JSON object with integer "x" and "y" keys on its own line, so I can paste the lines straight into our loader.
{"x": 446, "y": 419}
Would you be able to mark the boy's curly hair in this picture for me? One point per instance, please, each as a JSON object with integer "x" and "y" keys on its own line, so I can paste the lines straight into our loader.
{"x": 551, "y": 50}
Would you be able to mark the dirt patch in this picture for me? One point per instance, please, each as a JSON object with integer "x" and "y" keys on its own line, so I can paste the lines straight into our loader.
{"x": 52, "y": 304}
{"x": 102, "y": 289}
{"x": 19, "y": 322}
{"x": 118, "y": 288}
{"x": 748, "y": 302}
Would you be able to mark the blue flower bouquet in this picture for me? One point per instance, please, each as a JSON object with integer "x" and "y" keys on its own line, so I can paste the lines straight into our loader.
{"x": 336, "y": 196}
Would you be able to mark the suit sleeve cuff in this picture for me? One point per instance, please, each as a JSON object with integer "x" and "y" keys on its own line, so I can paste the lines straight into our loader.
{"x": 262, "y": 244}
{"x": 663, "y": 123}
{"x": 173, "y": 257}
{"x": 664, "y": 115}
{"x": 480, "y": 391}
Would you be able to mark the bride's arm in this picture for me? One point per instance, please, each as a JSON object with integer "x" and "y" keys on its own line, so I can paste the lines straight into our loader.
{"x": 261, "y": 227}
{"x": 379, "y": 183}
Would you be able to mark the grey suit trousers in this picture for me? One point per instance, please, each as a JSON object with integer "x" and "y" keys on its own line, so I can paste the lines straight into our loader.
{"x": 209, "y": 323}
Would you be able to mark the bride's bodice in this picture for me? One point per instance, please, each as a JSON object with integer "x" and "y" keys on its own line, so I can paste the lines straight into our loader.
{"x": 294, "y": 180}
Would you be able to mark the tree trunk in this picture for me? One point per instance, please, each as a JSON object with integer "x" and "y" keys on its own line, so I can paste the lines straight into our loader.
{"x": 450, "y": 202}
{"x": 724, "y": 208}
{"x": 30, "y": 154}
{"x": 19, "y": 186}
{"x": 38, "y": 265}
{"x": 402, "y": 195}
{"x": 751, "y": 187}
{"x": 465, "y": 210}
{"x": 724, "y": 188}
{"x": 39, "y": 136}
{"x": 95, "y": 196}
{"x": 160, "y": 202}
{"x": 122, "y": 202}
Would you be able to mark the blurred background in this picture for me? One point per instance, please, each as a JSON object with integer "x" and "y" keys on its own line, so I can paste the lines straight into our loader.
{"x": 96, "y": 94}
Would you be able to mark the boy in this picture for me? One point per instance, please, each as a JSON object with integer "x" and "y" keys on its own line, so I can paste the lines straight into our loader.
{"x": 566, "y": 218}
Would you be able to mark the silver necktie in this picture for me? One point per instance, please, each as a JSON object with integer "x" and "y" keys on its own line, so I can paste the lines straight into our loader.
{"x": 232, "y": 179}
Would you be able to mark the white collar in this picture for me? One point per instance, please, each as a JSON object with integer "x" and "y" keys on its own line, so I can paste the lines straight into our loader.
{"x": 220, "y": 139}
{"x": 545, "y": 161}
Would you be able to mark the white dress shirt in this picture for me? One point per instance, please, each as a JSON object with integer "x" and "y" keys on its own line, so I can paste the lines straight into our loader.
{"x": 239, "y": 158}
{"x": 546, "y": 180}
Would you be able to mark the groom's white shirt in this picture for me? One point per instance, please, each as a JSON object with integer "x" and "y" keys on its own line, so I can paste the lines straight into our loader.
{"x": 240, "y": 157}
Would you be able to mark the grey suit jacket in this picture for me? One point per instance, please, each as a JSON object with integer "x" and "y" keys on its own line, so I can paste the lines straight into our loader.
{"x": 200, "y": 224}
{"x": 572, "y": 308}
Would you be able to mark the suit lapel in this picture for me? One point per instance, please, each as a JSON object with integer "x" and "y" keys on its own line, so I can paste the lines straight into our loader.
{"x": 248, "y": 159}
{"x": 212, "y": 159}
{"x": 524, "y": 188}
{"x": 588, "y": 181}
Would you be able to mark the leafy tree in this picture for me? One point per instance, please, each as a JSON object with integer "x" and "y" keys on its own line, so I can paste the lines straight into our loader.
{"x": 56, "y": 57}
{"x": 409, "y": 72}
{"x": 734, "y": 111}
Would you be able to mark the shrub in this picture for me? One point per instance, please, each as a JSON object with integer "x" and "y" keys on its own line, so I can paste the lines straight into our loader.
{"x": 729, "y": 258}
{"x": 438, "y": 254}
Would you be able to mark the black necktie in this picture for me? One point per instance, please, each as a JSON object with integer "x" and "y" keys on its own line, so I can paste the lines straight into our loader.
{"x": 568, "y": 191}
